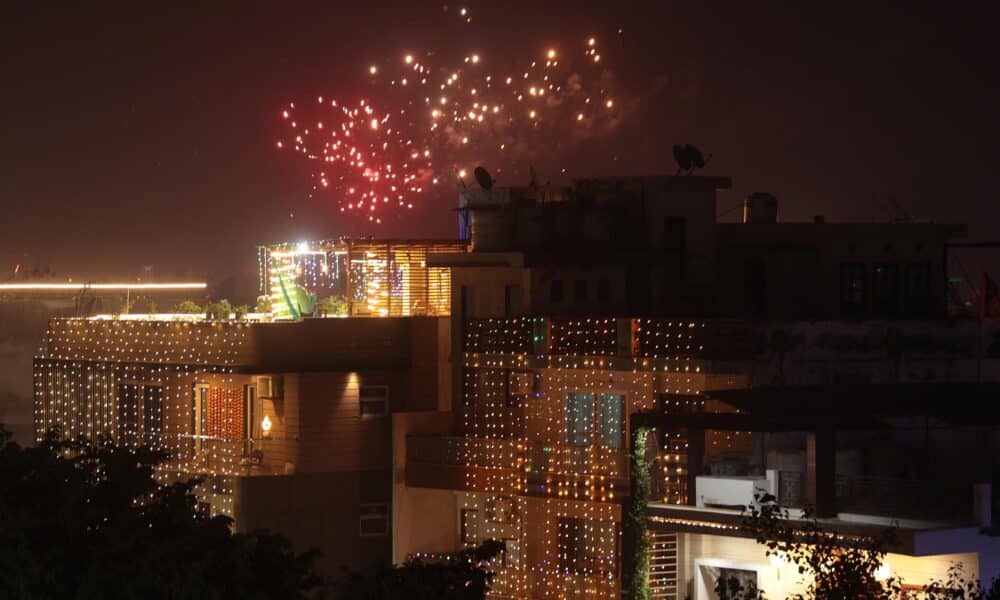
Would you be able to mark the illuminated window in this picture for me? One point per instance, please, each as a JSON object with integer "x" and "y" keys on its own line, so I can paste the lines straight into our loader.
{"x": 512, "y": 553}
{"x": 612, "y": 420}
{"x": 373, "y": 400}
{"x": 374, "y": 520}
{"x": 587, "y": 547}
{"x": 579, "y": 415}
{"x": 140, "y": 413}
{"x": 469, "y": 522}
{"x": 587, "y": 420}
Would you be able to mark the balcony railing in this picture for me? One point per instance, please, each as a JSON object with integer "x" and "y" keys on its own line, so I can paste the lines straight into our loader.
{"x": 533, "y": 459}
{"x": 886, "y": 496}
{"x": 204, "y": 455}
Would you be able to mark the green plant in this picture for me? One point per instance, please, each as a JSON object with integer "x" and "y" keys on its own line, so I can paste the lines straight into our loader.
{"x": 334, "y": 305}
{"x": 241, "y": 312}
{"x": 839, "y": 566}
{"x": 263, "y": 304}
{"x": 220, "y": 310}
{"x": 635, "y": 531}
{"x": 956, "y": 586}
{"x": 189, "y": 307}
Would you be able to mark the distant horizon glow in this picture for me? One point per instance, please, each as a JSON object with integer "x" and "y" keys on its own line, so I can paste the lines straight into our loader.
{"x": 101, "y": 286}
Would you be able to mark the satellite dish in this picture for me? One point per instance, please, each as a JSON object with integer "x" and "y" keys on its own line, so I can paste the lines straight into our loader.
{"x": 689, "y": 158}
{"x": 483, "y": 177}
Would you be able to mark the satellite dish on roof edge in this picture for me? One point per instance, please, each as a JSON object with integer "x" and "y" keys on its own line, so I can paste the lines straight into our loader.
{"x": 484, "y": 178}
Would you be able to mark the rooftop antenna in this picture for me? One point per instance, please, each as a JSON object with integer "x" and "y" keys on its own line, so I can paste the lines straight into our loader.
{"x": 460, "y": 180}
{"x": 900, "y": 215}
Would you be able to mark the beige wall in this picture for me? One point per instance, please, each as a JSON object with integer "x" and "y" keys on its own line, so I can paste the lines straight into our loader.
{"x": 779, "y": 579}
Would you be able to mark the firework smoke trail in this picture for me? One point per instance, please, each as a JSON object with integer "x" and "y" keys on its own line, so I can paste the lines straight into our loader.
{"x": 429, "y": 116}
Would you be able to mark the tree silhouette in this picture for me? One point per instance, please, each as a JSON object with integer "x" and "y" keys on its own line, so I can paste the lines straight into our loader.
{"x": 83, "y": 519}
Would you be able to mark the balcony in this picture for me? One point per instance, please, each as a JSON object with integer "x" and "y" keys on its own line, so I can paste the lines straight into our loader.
{"x": 455, "y": 462}
{"x": 614, "y": 338}
{"x": 887, "y": 496}
{"x": 206, "y": 456}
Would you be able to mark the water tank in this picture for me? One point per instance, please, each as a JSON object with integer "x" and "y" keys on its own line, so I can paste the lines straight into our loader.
{"x": 760, "y": 207}
{"x": 486, "y": 219}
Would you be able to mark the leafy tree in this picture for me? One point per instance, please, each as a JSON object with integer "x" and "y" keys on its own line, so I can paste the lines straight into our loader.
{"x": 241, "y": 311}
{"x": 263, "y": 304}
{"x": 189, "y": 307}
{"x": 956, "y": 586}
{"x": 82, "y": 519}
{"x": 839, "y": 566}
{"x": 219, "y": 310}
{"x": 464, "y": 576}
{"x": 634, "y": 530}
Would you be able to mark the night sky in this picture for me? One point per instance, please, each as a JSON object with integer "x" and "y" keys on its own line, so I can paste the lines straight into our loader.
{"x": 144, "y": 133}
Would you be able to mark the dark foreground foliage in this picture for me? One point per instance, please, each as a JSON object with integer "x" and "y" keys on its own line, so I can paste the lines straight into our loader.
{"x": 86, "y": 519}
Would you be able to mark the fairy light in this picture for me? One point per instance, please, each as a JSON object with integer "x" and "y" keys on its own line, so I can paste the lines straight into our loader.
{"x": 519, "y": 374}
{"x": 134, "y": 380}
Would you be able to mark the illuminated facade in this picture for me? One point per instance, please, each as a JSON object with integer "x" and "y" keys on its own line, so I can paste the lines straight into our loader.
{"x": 562, "y": 348}
{"x": 288, "y": 424}
{"x": 377, "y": 278}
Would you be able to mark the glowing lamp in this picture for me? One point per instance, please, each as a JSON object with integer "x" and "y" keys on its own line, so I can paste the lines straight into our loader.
{"x": 265, "y": 426}
{"x": 882, "y": 572}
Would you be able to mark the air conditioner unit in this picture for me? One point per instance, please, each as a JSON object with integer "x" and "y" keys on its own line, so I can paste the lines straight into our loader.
{"x": 270, "y": 387}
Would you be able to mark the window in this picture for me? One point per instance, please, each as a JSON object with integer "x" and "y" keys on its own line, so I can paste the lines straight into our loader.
{"x": 736, "y": 583}
{"x": 885, "y": 289}
{"x": 374, "y": 520}
{"x": 140, "y": 413}
{"x": 603, "y": 289}
{"x": 468, "y": 302}
{"x": 579, "y": 418}
{"x": 512, "y": 554}
{"x": 501, "y": 509}
{"x": 587, "y": 546}
{"x": 582, "y": 414}
{"x": 755, "y": 286}
{"x": 580, "y": 290}
{"x": 199, "y": 417}
{"x": 556, "y": 290}
{"x": 469, "y": 523}
{"x": 674, "y": 244}
{"x": 852, "y": 288}
{"x": 520, "y": 387}
{"x": 152, "y": 412}
{"x": 917, "y": 299}
{"x": 251, "y": 412}
{"x": 373, "y": 400}
{"x": 612, "y": 430}
{"x": 128, "y": 412}
{"x": 512, "y": 300}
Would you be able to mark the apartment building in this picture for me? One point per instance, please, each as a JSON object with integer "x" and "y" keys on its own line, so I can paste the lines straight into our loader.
{"x": 288, "y": 422}
{"x": 582, "y": 312}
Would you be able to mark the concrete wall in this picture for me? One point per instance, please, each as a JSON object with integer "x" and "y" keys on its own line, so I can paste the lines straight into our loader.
{"x": 318, "y": 510}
